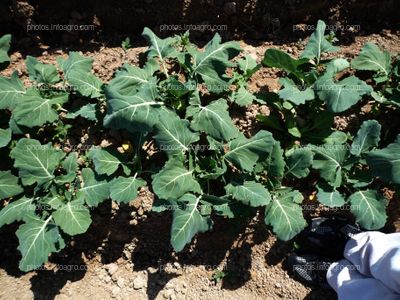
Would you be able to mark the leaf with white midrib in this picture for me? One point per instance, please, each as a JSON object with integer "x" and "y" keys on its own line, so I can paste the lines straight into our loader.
{"x": 187, "y": 222}
{"x": 125, "y": 189}
{"x": 37, "y": 239}
{"x": 73, "y": 217}
{"x": 174, "y": 180}
{"x": 369, "y": 207}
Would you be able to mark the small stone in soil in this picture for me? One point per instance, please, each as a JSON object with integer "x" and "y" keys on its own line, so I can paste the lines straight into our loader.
{"x": 139, "y": 283}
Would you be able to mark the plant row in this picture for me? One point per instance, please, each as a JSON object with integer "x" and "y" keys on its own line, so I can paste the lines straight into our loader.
{"x": 175, "y": 111}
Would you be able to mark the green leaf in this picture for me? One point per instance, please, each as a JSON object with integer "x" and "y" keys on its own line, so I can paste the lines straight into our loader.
{"x": 245, "y": 153}
{"x": 36, "y": 162}
{"x": 138, "y": 113}
{"x": 5, "y": 42}
{"x": 105, "y": 162}
{"x": 11, "y": 90}
{"x": 173, "y": 133}
{"x": 250, "y": 193}
{"x": 318, "y": 44}
{"x": 5, "y": 137}
{"x": 37, "y": 239}
{"x": 41, "y": 73}
{"x": 75, "y": 62}
{"x": 336, "y": 137}
{"x": 385, "y": 163}
{"x": 285, "y": 216}
{"x": 93, "y": 190}
{"x": 187, "y": 222}
{"x": 212, "y": 63}
{"x": 292, "y": 93}
{"x": 367, "y": 137}
{"x": 274, "y": 164}
{"x": 161, "y": 48}
{"x": 87, "y": 111}
{"x": 85, "y": 83}
{"x": 275, "y": 58}
{"x": 34, "y": 110}
{"x": 9, "y": 185}
{"x": 70, "y": 164}
{"x": 372, "y": 58}
{"x": 16, "y": 211}
{"x": 248, "y": 65}
{"x": 174, "y": 180}
{"x": 369, "y": 208}
{"x": 73, "y": 217}
{"x": 243, "y": 97}
{"x": 329, "y": 196}
{"x": 340, "y": 96}
{"x": 214, "y": 120}
{"x": 329, "y": 160}
{"x": 298, "y": 162}
{"x": 130, "y": 78}
{"x": 125, "y": 189}
{"x": 335, "y": 66}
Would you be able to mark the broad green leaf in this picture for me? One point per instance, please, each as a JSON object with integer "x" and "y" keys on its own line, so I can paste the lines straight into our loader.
{"x": 318, "y": 44}
{"x": 336, "y": 137}
{"x": 34, "y": 110}
{"x": 299, "y": 162}
{"x": 285, "y": 216}
{"x": 37, "y": 239}
{"x": 11, "y": 89}
{"x": 369, "y": 208}
{"x": 243, "y": 97}
{"x": 130, "y": 78}
{"x": 329, "y": 196}
{"x": 5, "y": 137}
{"x": 9, "y": 185}
{"x": 50, "y": 201}
{"x": 75, "y": 62}
{"x": 5, "y": 41}
{"x": 372, "y": 58}
{"x": 329, "y": 160}
{"x": 138, "y": 113}
{"x": 87, "y": 111}
{"x": 85, "y": 83}
{"x": 187, "y": 222}
{"x": 248, "y": 65}
{"x": 214, "y": 120}
{"x": 367, "y": 137}
{"x": 41, "y": 73}
{"x": 292, "y": 93}
{"x": 212, "y": 63}
{"x": 125, "y": 189}
{"x": 70, "y": 164}
{"x": 36, "y": 162}
{"x": 16, "y": 211}
{"x": 105, "y": 162}
{"x": 250, "y": 193}
{"x": 173, "y": 133}
{"x": 73, "y": 217}
{"x": 335, "y": 66}
{"x": 340, "y": 96}
{"x": 385, "y": 163}
{"x": 174, "y": 180}
{"x": 274, "y": 164}
{"x": 161, "y": 48}
{"x": 275, "y": 58}
{"x": 93, "y": 190}
{"x": 245, "y": 153}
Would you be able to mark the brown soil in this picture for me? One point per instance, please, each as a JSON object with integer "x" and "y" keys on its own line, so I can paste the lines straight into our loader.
{"x": 126, "y": 252}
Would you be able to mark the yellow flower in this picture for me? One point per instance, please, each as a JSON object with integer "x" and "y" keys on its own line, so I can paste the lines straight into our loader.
{"x": 127, "y": 146}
